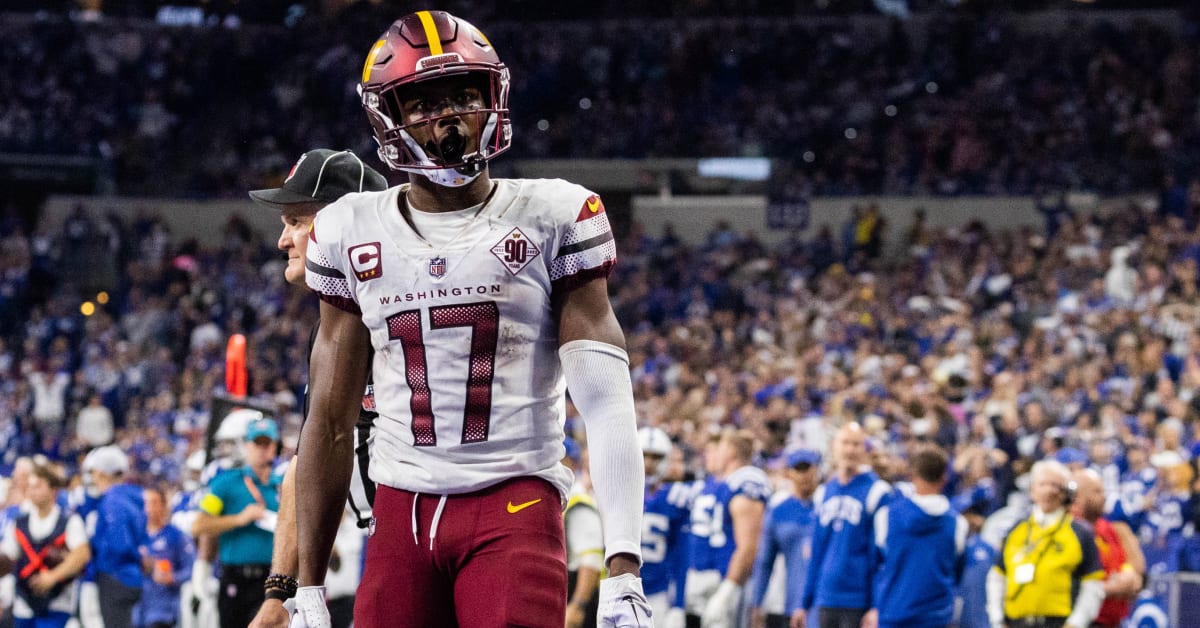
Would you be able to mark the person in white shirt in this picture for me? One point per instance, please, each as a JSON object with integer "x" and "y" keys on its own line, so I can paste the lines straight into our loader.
{"x": 94, "y": 425}
{"x": 46, "y": 549}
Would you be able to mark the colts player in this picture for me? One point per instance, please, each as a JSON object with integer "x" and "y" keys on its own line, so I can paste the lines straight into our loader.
{"x": 480, "y": 296}
{"x": 726, "y": 522}
{"x": 664, "y": 531}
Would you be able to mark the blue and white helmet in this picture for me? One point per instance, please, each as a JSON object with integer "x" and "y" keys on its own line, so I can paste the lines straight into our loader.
{"x": 655, "y": 442}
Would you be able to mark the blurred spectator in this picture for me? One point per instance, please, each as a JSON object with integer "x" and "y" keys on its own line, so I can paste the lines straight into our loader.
{"x": 1124, "y": 565}
{"x": 119, "y": 538}
{"x": 49, "y": 401}
{"x": 787, "y": 529}
{"x": 171, "y": 553}
{"x": 840, "y": 580}
{"x": 45, "y": 548}
{"x": 94, "y": 424}
{"x": 1032, "y": 585}
{"x": 1091, "y": 102}
{"x": 240, "y": 508}
{"x": 585, "y": 546}
{"x": 921, "y": 541}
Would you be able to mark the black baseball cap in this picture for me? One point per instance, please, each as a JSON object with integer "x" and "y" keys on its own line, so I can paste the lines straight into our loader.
{"x": 322, "y": 176}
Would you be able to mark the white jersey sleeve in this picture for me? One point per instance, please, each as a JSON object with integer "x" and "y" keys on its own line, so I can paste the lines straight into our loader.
{"x": 586, "y": 247}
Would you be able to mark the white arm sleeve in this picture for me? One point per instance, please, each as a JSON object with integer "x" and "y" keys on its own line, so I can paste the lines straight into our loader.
{"x": 996, "y": 586}
{"x": 598, "y": 377}
{"x": 1087, "y": 603}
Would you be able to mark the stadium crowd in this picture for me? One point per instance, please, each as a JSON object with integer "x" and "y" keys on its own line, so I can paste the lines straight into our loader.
{"x": 959, "y": 102}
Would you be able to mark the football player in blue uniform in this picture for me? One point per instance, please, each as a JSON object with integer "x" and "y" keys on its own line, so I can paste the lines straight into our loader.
{"x": 664, "y": 529}
{"x": 726, "y": 522}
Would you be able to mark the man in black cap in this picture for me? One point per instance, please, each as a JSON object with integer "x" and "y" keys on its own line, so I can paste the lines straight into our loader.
{"x": 320, "y": 177}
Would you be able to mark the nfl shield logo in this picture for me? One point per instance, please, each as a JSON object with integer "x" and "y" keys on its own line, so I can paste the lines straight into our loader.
{"x": 437, "y": 267}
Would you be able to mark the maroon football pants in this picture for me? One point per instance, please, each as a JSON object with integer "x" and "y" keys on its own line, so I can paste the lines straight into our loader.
{"x": 498, "y": 559}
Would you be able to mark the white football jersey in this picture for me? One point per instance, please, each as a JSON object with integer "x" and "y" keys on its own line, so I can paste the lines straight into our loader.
{"x": 468, "y": 384}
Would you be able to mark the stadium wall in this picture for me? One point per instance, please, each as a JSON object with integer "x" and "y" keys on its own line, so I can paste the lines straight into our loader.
{"x": 693, "y": 217}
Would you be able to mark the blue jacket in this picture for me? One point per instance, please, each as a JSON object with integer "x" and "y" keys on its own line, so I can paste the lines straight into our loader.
{"x": 787, "y": 528}
{"x": 840, "y": 572}
{"x": 120, "y": 534}
{"x": 160, "y": 603}
{"x": 920, "y": 541}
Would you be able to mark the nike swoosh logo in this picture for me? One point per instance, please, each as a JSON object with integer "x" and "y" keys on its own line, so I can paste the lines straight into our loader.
{"x": 519, "y": 507}
{"x": 593, "y": 205}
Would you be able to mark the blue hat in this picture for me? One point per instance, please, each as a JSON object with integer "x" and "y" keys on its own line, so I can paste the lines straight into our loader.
{"x": 573, "y": 450}
{"x": 262, "y": 427}
{"x": 799, "y": 456}
{"x": 1070, "y": 455}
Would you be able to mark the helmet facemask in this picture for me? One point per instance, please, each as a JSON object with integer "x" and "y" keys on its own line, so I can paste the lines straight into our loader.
{"x": 455, "y": 158}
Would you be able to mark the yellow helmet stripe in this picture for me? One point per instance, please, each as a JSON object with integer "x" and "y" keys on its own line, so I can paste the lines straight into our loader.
{"x": 484, "y": 38}
{"x": 371, "y": 60}
{"x": 431, "y": 33}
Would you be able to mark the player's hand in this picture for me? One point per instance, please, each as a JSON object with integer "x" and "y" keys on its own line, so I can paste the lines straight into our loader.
{"x": 870, "y": 620}
{"x": 201, "y": 575}
{"x": 622, "y": 603}
{"x": 252, "y": 513}
{"x": 311, "y": 611}
{"x": 272, "y": 614}
{"x": 799, "y": 619}
{"x": 719, "y": 612}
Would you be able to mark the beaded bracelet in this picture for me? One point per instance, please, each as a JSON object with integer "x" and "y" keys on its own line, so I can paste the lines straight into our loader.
{"x": 283, "y": 583}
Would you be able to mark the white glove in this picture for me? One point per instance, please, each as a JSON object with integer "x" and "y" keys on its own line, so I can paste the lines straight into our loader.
{"x": 722, "y": 606}
{"x": 204, "y": 585}
{"x": 676, "y": 618}
{"x": 622, "y": 603}
{"x": 311, "y": 611}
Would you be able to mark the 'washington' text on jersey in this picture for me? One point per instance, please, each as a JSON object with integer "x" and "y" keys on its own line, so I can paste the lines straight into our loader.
{"x": 439, "y": 294}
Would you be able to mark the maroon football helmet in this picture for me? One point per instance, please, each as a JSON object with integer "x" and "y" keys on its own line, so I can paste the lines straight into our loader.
{"x": 430, "y": 45}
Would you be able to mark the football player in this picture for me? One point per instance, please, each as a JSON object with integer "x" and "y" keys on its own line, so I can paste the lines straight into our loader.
{"x": 664, "y": 530}
{"x": 726, "y": 522}
{"x": 481, "y": 297}
{"x": 318, "y": 178}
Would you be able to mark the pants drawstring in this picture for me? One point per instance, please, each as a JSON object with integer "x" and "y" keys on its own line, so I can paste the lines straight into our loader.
{"x": 437, "y": 516}
{"x": 416, "y": 496}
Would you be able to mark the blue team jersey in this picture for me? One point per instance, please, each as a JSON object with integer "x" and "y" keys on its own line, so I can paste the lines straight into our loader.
{"x": 1163, "y": 531}
{"x": 664, "y": 529}
{"x": 972, "y": 588}
{"x": 1128, "y": 504}
{"x": 710, "y": 538}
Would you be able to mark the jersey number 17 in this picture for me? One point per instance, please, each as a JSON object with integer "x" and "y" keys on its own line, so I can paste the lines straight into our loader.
{"x": 484, "y": 320}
